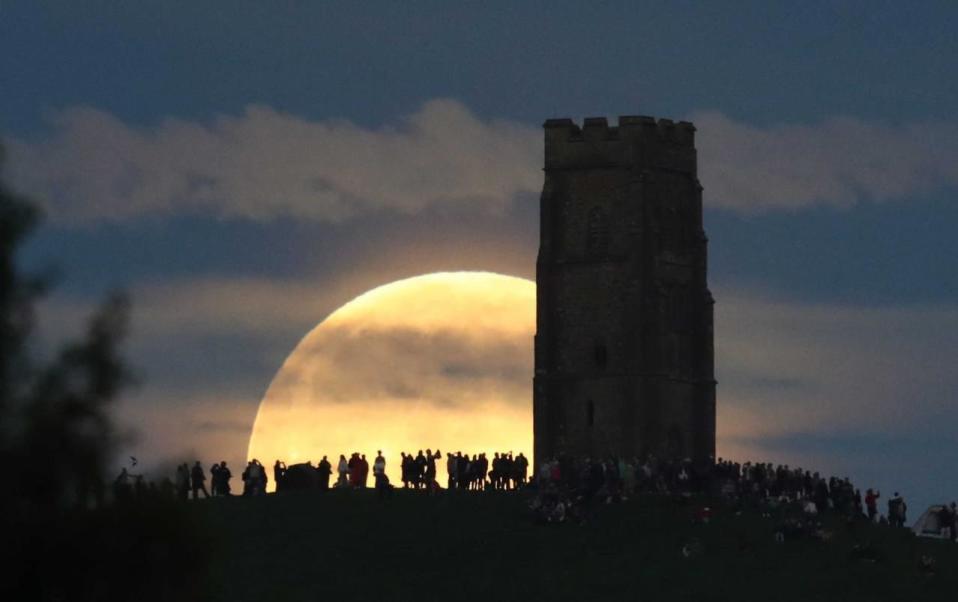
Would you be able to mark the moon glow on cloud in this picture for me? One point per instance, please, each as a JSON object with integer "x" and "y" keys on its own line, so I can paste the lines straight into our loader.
{"x": 440, "y": 361}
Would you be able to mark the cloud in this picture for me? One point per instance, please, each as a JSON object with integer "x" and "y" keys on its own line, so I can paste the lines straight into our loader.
{"x": 228, "y": 426}
{"x": 263, "y": 164}
{"x": 838, "y": 162}
{"x": 452, "y": 367}
{"x": 789, "y": 369}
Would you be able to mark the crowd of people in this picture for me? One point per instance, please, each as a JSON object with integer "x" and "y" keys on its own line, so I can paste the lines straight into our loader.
{"x": 563, "y": 487}
{"x": 465, "y": 473}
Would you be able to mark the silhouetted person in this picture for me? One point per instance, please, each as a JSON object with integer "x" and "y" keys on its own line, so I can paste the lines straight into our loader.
{"x": 342, "y": 471}
{"x": 123, "y": 487}
{"x": 379, "y": 464}
{"x": 381, "y": 481}
{"x": 507, "y": 471}
{"x": 279, "y": 475}
{"x": 244, "y": 476}
{"x": 214, "y": 479}
{"x": 363, "y": 471}
{"x": 223, "y": 476}
{"x": 430, "y": 475}
{"x": 462, "y": 471}
{"x": 522, "y": 468}
{"x": 198, "y": 478}
{"x": 419, "y": 470}
{"x": 452, "y": 470}
{"x": 323, "y": 470}
{"x": 251, "y": 478}
{"x": 354, "y": 470}
{"x": 897, "y": 511}
{"x": 871, "y": 504}
{"x": 404, "y": 465}
{"x": 183, "y": 481}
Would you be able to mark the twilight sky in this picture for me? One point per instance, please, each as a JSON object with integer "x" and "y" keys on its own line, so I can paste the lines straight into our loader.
{"x": 243, "y": 171}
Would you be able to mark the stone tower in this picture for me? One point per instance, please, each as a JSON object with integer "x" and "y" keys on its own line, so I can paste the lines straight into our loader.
{"x": 623, "y": 346}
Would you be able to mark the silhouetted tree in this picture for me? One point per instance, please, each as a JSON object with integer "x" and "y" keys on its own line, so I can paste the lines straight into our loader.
{"x": 56, "y": 440}
{"x": 57, "y": 432}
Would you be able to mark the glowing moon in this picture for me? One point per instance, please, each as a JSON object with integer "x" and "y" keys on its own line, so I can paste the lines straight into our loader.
{"x": 436, "y": 361}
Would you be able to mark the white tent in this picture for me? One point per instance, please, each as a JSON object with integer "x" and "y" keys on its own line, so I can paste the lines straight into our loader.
{"x": 929, "y": 523}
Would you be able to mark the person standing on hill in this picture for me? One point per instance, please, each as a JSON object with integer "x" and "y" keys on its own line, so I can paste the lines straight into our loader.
{"x": 871, "y": 504}
{"x": 183, "y": 481}
{"x": 419, "y": 471}
{"x": 354, "y": 470}
{"x": 279, "y": 475}
{"x": 431, "y": 468}
{"x": 462, "y": 471}
{"x": 858, "y": 504}
{"x": 381, "y": 481}
{"x": 896, "y": 511}
{"x": 323, "y": 470}
{"x": 254, "y": 481}
{"x": 379, "y": 464}
{"x": 224, "y": 477}
{"x": 451, "y": 471}
{"x": 522, "y": 468}
{"x": 342, "y": 472}
{"x": 404, "y": 469}
{"x": 214, "y": 479}
{"x": 507, "y": 470}
{"x": 363, "y": 471}
{"x": 198, "y": 477}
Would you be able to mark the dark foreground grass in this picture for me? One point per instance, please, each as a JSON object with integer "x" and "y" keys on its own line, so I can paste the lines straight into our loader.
{"x": 348, "y": 545}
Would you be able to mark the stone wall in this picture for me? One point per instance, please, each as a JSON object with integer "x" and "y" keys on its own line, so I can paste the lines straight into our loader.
{"x": 624, "y": 315}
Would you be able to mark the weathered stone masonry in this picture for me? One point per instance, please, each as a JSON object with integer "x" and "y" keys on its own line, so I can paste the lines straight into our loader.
{"x": 623, "y": 347}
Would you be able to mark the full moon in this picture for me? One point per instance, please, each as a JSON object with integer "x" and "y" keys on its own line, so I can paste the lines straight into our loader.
{"x": 441, "y": 361}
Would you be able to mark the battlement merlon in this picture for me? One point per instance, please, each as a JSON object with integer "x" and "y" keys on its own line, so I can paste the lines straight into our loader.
{"x": 637, "y": 141}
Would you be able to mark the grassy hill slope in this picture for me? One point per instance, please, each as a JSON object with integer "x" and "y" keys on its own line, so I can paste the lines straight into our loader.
{"x": 348, "y": 545}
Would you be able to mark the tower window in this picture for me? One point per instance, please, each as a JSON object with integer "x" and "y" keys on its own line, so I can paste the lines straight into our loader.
{"x": 590, "y": 413}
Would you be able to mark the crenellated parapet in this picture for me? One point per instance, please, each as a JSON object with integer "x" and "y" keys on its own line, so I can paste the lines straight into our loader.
{"x": 637, "y": 141}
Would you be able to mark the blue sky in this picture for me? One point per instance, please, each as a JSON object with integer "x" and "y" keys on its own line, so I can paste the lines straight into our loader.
{"x": 828, "y": 147}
